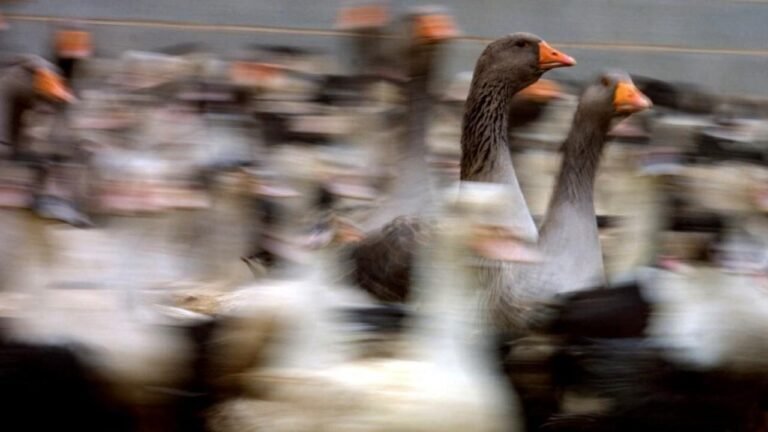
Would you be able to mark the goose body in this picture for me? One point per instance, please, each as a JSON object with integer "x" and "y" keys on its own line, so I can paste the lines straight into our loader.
{"x": 411, "y": 192}
{"x": 24, "y": 80}
{"x": 278, "y": 335}
{"x": 674, "y": 347}
{"x": 444, "y": 378}
{"x": 569, "y": 238}
{"x": 693, "y": 319}
{"x": 290, "y": 303}
{"x": 73, "y": 297}
{"x": 507, "y": 66}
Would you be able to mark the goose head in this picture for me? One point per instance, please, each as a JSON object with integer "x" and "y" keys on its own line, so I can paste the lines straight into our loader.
{"x": 432, "y": 25}
{"x": 519, "y": 58}
{"x": 613, "y": 96}
{"x": 45, "y": 80}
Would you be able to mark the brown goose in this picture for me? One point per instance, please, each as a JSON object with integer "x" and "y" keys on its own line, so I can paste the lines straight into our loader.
{"x": 26, "y": 78}
{"x": 382, "y": 261}
{"x": 569, "y": 237}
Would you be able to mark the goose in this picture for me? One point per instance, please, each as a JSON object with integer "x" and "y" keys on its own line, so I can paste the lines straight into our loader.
{"x": 139, "y": 356}
{"x": 73, "y": 43}
{"x": 381, "y": 262}
{"x": 673, "y": 347}
{"x": 410, "y": 194}
{"x": 366, "y": 22}
{"x": 223, "y": 239}
{"x": 569, "y": 241}
{"x": 295, "y": 290}
{"x": 278, "y": 335}
{"x": 144, "y": 356}
{"x": 674, "y": 303}
{"x": 568, "y": 237}
{"x": 443, "y": 380}
{"x": 26, "y": 80}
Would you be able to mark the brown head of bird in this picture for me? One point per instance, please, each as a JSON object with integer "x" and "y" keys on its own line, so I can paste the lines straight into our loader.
{"x": 519, "y": 58}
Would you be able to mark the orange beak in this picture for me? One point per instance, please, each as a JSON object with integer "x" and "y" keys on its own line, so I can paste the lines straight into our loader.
{"x": 542, "y": 90}
{"x": 435, "y": 27}
{"x": 52, "y": 86}
{"x": 251, "y": 73}
{"x": 628, "y": 99}
{"x": 364, "y": 16}
{"x": 550, "y": 58}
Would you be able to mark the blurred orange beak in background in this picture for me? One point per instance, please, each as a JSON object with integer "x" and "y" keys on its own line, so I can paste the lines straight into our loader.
{"x": 542, "y": 90}
{"x": 52, "y": 86}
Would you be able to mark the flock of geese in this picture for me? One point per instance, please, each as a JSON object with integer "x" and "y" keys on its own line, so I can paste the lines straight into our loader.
{"x": 242, "y": 271}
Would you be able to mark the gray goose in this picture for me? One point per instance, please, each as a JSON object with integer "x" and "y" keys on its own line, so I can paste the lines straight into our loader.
{"x": 382, "y": 261}
{"x": 569, "y": 239}
{"x": 410, "y": 194}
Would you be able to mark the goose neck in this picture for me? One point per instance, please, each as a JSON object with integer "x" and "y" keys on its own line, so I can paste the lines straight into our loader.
{"x": 418, "y": 104}
{"x": 484, "y": 138}
{"x": 581, "y": 150}
{"x": 448, "y": 320}
{"x": 411, "y": 193}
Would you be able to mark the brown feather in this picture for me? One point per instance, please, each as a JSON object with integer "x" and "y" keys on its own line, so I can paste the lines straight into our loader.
{"x": 382, "y": 262}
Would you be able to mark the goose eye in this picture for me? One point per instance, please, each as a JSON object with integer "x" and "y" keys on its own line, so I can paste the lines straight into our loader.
{"x": 521, "y": 43}
{"x": 605, "y": 82}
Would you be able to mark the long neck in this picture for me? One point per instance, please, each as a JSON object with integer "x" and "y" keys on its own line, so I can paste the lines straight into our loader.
{"x": 421, "y": 70}
{"x": 581, "y": 156}
{"x": 315, "y": 339}
{"x": 411, "y": 192}
{"x": 366, "y": 51}
{"x": 448, "y": 326}
{"x": 570, "y": 229}
{"x": 485, "y": 153}
{"x": 412, "y": 183}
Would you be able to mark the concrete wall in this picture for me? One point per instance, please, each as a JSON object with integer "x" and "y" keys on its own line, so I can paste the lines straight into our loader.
{"x": 719, "y": 43}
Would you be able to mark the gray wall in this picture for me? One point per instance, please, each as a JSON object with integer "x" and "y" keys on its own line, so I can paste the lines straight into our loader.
{"x": 719, "y": 43}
